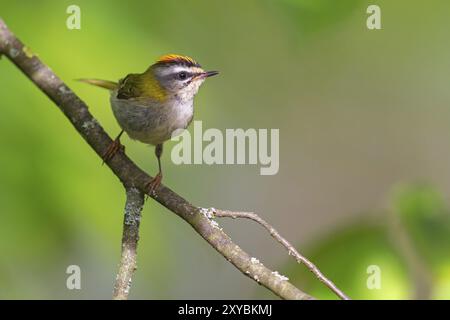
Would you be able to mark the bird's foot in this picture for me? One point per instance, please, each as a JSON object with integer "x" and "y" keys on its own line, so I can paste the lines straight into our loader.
{"x": 113, "y": 148}
{"x": 153, "y": 184}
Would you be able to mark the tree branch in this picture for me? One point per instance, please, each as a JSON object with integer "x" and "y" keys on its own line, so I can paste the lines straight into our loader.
{"x": 131, "y": 175}
{"x": 290, "y": 248}
{"x": 131, "y": 220}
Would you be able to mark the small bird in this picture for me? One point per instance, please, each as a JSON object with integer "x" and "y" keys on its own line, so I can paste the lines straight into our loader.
{"x": 150, "y": 106}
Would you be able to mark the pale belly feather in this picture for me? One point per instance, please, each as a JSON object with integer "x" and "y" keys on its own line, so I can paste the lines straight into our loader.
{"x": 153, "y": 123}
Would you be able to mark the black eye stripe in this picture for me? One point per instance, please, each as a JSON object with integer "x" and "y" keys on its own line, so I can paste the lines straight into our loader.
{"x": 183, "y": 75}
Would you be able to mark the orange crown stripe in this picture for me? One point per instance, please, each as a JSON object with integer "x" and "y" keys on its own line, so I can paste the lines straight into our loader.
{"x": 176, "y": 58}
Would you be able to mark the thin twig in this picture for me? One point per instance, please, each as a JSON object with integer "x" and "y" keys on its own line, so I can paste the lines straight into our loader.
{"x": 130, "y": 238}
{"x": 290, "y": 248}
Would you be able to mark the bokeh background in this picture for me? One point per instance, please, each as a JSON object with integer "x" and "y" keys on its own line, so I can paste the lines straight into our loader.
{"x": 364, "y": 119}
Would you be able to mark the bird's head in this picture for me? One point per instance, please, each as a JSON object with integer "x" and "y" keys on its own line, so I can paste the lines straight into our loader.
{"x": 179, "y": 75}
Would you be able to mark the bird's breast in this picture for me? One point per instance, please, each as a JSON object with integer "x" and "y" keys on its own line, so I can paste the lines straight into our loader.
{"x": 151, "y": 122}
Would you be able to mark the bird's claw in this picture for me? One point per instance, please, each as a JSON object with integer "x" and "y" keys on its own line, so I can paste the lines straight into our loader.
{"x": 113, "y": 148}
{"x": 153, "y": 184}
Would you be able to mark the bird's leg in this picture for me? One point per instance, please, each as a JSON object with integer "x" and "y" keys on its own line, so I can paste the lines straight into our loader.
{"x": 113, "y": 148}
{"x": 156, "y": 181}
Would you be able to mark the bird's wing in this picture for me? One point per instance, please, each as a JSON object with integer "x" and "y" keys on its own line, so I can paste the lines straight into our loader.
{"x": 141, "y": 87}
{"x": 129, "y": 87}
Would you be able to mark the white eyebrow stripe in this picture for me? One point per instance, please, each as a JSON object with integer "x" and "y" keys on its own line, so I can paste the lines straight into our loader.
{"x": 176, "y": 69}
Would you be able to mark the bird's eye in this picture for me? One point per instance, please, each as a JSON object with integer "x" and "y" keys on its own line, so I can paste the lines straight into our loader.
{"x": 182, "y": 75}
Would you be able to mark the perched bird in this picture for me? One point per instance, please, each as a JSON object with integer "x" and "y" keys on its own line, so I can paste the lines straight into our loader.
{"x": 150, "y": 106}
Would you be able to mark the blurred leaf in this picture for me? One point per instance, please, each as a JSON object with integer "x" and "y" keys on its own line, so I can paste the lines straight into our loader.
{"x": 344, "y": 258}
{"x": 426, "y": 218}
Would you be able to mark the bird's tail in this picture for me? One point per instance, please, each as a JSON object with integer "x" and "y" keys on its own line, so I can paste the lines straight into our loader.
{"x": 110, "y": 85}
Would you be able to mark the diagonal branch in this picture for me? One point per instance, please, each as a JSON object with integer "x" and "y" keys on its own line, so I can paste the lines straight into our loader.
{"x": 130, "y": 174}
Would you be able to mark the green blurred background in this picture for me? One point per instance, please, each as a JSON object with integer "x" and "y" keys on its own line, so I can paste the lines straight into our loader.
{"x": 364, "y": 123}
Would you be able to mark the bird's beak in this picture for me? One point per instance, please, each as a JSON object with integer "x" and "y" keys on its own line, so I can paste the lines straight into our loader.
{"x": 208, "y": 74}
{"x": 205, "y": 74}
